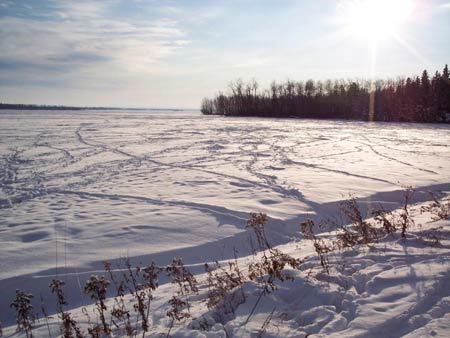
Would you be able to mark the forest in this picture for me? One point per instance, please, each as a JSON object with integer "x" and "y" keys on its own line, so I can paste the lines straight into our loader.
{"x": 411, "y": 99}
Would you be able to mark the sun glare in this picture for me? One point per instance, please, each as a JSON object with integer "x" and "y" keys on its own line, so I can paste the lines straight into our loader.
{"x": 376, "y": 19}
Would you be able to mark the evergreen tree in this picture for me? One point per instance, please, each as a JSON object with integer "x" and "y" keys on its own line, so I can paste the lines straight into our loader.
{"x": 414, "y": 99}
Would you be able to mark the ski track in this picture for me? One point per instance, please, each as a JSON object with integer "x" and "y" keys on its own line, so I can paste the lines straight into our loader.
{"x": 219, "y": 168}
{"x": 394, "y": 159}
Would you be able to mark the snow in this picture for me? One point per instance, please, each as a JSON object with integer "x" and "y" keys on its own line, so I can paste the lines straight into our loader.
{"x": 78, "y": 188}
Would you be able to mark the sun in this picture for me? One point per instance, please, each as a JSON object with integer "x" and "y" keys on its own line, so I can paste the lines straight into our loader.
{"x": 375, "y": 20}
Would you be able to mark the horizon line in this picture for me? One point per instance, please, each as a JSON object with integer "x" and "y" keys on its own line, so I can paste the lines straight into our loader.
{"x": 82, "y": 107}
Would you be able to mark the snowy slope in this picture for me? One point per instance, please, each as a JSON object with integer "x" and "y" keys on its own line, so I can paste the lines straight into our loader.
{"x": 78, "y": 188}
{"x": 397, "y": 287}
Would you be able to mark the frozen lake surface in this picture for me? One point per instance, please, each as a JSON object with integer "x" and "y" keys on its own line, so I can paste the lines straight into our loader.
{"x": 81, "y": 187}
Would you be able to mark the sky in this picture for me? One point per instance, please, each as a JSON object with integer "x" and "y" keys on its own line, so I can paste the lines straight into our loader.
{"x": 171, "y": 54}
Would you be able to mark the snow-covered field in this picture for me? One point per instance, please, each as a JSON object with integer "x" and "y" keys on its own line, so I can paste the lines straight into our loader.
{"x": 78, "y": 188}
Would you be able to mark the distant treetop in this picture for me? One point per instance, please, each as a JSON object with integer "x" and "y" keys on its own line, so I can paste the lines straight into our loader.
{"x": 414, "y": 99}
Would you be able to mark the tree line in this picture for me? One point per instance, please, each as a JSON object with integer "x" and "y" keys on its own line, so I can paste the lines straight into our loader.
{"x": 414, "y": 99}
{"x": 20, "y": 106}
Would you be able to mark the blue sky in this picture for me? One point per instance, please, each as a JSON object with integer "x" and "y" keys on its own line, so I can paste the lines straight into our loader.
{"x": 172, "y": 53}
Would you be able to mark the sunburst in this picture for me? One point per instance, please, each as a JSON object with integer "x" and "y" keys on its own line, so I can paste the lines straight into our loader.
{"x": 375, "y": 20}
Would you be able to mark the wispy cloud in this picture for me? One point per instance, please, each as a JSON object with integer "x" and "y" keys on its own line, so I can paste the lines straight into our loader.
{"x": 69, "y": 37}
{"x": 173, "y": 53}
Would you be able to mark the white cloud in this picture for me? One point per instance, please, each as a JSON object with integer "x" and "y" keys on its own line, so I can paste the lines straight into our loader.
{"x": 80, "y": 38}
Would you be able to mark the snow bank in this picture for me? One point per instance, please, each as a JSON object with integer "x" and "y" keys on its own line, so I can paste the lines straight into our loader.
{"x": 80, "y": 188}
